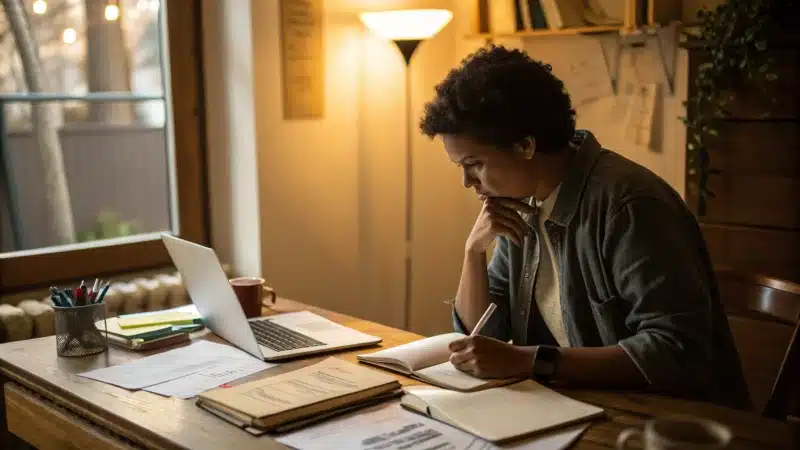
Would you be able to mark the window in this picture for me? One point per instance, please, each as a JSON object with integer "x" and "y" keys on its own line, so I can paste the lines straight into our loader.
{"x": 101, "y": 138}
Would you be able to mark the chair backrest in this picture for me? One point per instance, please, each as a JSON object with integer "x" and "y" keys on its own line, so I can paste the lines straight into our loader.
{"x": 764, "y": 314}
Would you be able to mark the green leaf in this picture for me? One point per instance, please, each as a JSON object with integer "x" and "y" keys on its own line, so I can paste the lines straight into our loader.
{"x": 690, "y": 146}
{"x": 771, "y": 76}
{"x": 705, "y": 67}
{"x": 761, "y": 45}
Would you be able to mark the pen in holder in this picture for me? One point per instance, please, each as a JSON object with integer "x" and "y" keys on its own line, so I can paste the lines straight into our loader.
{"x": 78, "y": 313}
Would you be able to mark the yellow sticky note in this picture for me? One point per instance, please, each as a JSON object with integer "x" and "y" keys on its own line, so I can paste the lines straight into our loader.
{"x": 167, "y": 318}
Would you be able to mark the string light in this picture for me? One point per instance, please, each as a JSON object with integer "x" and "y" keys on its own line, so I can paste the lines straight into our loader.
{"x": 69, "y": 36}
{"x": 112, "y": 12}
{"x": 39, "y": 7}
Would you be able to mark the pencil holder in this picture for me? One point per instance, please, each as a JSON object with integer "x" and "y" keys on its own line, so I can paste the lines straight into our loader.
{"x": 76, "y": 331}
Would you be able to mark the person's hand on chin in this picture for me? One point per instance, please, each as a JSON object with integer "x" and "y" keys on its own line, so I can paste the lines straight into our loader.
{"x": 484, "y": 357}
{"x": 499, "y": 217}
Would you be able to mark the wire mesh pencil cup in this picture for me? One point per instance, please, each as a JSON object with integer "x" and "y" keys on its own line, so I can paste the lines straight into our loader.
{"x": 79, "y": 331}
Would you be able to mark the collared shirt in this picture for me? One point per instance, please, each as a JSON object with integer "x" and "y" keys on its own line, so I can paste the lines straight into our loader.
{"x": 546, "y": 282}
{"x": 634, "y": 272}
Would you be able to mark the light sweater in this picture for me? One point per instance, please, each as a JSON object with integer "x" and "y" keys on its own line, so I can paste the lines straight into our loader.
{"x": 546, "y": 287}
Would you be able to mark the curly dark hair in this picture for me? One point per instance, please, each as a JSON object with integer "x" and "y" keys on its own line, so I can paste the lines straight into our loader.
{"x": 501, "y": 97}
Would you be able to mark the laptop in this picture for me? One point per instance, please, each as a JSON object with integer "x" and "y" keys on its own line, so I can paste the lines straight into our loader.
{"x": 271, "y": 338}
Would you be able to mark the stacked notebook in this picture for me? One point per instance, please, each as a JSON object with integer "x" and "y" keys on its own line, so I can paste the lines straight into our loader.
{"x": 144, "y": 331}
{"x": 294, "y": 399}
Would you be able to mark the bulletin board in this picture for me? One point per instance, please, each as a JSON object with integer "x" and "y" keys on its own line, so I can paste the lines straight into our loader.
{"x": 302, "y": 61}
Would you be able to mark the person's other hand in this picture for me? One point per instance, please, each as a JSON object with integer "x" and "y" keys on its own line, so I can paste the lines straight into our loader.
{"x": 484, "y": 357}
{"x": 499, "y": 217}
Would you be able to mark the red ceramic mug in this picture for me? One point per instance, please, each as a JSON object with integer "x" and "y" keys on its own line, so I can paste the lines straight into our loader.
{"x": 251, "y": 292}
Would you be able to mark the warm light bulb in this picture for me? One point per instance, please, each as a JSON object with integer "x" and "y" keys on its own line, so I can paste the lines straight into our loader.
{"x": 408, "y": 24}
{"x": 39, "y": 7}
{"x": 112, "y": 13}
{"x": 69, "y": 36}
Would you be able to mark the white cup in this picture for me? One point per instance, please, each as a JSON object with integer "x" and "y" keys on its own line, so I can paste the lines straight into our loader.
{"x": 686, "y": 433}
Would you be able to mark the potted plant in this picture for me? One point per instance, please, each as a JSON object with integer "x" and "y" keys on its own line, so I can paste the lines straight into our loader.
{"x": 735, "y": 37}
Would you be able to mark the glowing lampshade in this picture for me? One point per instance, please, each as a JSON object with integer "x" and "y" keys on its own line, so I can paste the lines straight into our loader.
{"x": 407, "y": 24}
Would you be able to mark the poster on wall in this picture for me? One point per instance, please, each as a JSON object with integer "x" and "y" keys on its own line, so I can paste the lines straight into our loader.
{"x": 302, "y": 62}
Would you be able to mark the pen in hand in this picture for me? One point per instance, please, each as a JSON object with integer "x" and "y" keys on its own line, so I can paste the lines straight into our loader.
{"x": 484, "y": 318}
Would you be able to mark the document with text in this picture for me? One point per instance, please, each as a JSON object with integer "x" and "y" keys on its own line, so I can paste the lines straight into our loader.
{"x": 169, "y": 365}
{"x": 390, "y": 427}
{"x": 215, "y": 376}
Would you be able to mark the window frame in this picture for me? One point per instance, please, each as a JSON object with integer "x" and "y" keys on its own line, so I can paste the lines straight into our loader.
{"x": 26, "y": 272}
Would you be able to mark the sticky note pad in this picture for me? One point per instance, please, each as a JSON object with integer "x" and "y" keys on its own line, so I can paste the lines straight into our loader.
{"x": 165, "y": 318}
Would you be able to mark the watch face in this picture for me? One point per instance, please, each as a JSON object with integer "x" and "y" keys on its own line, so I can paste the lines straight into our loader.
{"x": 545, "y": 367}
{"x": 546, "y": 361}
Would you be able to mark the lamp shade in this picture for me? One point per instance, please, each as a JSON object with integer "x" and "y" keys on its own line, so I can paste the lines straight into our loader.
{"x": 407, "y": 24}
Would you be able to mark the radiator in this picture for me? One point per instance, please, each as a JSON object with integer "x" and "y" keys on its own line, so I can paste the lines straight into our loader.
{"x": 32, "y": 318}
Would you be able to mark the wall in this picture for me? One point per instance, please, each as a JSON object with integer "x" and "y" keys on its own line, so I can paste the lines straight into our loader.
{"x": 332, "y": 190}
{"x": 331, "y": 194}
{"x": 230, "y": 128}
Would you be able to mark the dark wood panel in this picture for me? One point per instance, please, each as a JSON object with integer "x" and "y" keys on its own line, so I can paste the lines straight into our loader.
{"x": 754, "y": 100}
{"x": 769, "y": 252}
{"x": 764, "y": 148}
{"x": 766, "y": 201}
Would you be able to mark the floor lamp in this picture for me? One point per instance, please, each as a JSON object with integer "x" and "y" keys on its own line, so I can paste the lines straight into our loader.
{"x": 407, "y": 29}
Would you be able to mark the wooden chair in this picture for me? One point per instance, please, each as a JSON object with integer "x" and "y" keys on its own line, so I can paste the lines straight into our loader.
{"x": 764, "y": 316}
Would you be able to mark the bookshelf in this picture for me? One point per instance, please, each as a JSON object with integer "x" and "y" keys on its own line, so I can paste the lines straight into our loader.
{"x": 638, "y": 14}
{"x": 641, "y": 20}
{"x": 548, "y": 32}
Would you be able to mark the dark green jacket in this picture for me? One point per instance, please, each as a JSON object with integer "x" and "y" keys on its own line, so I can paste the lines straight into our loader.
{"x": 633, "y": 270}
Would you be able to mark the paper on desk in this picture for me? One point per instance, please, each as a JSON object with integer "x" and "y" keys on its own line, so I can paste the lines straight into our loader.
{"x": 390, "y": 427}
{"x": 167, "y": 366}
{"x": 199, "y": 382}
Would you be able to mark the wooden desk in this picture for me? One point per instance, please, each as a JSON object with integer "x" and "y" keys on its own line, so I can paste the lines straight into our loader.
{"x": 51, "y": 407}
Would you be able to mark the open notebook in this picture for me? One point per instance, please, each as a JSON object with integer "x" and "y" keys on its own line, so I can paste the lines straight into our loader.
{"x": 429, "y": 360}
{"x": 500, "y": 414}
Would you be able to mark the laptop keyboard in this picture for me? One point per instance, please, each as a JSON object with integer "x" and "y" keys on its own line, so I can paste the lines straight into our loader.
{"x": 279, "y": 338}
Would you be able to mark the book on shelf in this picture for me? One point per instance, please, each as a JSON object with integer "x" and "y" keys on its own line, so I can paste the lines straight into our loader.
{"x": 428, "y": 360}
{"x": 500, "y": 414}
{"x": 562, "y": 13}
{"x": 299, "y": 397}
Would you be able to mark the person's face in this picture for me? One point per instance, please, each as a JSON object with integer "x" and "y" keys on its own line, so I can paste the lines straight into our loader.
{"x": 490, "y": 172}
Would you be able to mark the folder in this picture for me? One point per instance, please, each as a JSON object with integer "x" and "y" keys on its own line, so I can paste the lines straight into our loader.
{"x": 303, "y": 396}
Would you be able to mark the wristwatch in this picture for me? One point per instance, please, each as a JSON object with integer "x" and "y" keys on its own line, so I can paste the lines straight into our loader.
{"x": 545, "y": 363}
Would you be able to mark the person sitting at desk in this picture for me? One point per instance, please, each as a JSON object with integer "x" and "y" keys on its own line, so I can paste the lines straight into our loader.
{"x": 600, "y": 273}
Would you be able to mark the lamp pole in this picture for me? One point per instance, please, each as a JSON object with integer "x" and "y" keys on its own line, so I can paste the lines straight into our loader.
{"x": 407, "y": 47}
{"x": 407, "y": 29}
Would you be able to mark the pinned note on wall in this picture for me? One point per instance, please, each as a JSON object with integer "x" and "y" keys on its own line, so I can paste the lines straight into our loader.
{"x": 302, "y": 59}
{"x": 580, "y": 64}
{"x": 640, "y": 116}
